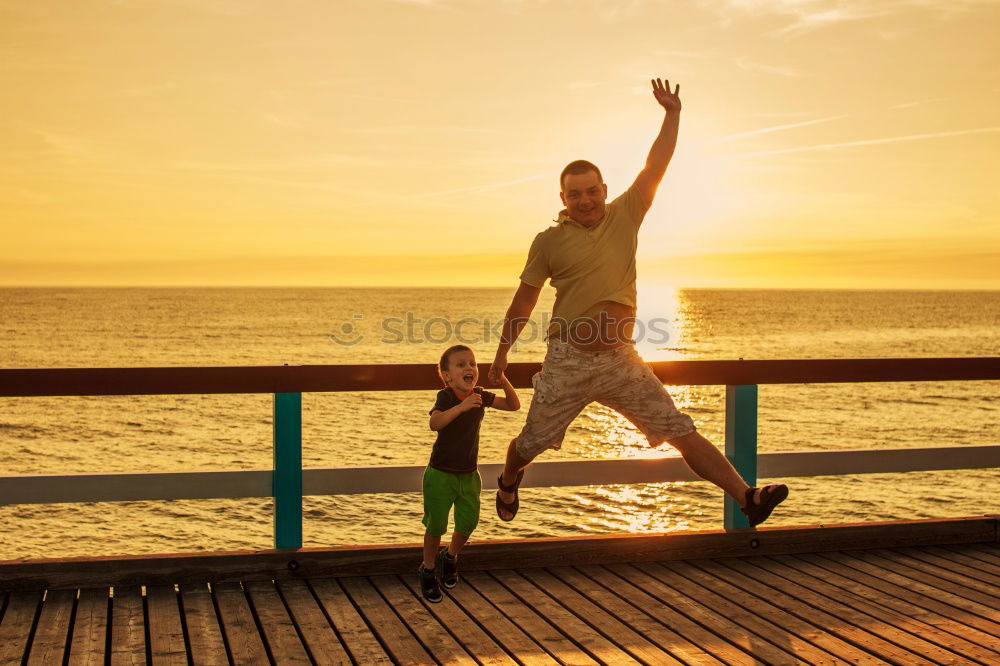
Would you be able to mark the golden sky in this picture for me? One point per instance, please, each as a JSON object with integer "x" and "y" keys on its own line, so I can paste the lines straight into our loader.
{"x": 823, "y": 143}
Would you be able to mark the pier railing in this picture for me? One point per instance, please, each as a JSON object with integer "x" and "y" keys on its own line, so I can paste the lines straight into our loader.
{"x": 287, "y": 481}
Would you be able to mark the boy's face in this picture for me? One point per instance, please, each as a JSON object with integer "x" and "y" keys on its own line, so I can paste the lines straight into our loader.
{"x": 462, "y": 373}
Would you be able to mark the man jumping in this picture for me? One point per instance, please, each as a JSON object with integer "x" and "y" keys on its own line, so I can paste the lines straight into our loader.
{"x": 589, "y": 254}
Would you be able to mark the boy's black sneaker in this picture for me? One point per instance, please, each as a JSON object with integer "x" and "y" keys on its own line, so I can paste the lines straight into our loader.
{"x": 448, "y": 566}
{"x": 429, "y": 585}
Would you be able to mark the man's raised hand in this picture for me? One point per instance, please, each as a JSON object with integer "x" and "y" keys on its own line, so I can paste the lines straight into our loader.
{"x": 670, "y": 101}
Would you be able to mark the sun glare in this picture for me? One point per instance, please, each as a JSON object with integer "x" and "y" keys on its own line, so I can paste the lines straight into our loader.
{"x": 659, "y": 322}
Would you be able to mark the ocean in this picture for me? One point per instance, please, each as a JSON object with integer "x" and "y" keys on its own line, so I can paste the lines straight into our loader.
{"x": 152, "y": 327}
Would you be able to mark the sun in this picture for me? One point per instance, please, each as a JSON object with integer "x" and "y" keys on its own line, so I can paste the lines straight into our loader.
{"x": 700, "y": 193}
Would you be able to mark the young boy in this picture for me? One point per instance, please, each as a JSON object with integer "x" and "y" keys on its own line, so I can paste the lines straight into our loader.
{"x": 452, "y": 476}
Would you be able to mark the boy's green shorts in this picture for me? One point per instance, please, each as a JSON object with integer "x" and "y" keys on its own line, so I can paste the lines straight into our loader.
{"x": 444, "y": 489}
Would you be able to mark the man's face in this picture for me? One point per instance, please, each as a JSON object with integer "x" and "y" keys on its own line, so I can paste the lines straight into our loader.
{"x": 583, "y": 195}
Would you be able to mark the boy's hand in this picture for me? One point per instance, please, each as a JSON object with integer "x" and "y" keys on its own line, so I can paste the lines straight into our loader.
{"x": 474, "y": 400}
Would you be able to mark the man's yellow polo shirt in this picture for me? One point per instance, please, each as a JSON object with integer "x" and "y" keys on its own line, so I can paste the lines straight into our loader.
{"x": 588, "y": 266}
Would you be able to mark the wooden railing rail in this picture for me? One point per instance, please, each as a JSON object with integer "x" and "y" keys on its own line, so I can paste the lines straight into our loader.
{"x": 287, "y": 482}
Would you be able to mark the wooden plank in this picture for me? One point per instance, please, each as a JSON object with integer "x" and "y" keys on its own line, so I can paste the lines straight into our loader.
{"x": 513, "y": 553}
{"x": 543, "y": 474}
{"x": 280, "y": 635}
{"x": 876, "y": 461}
{"x": 393, "y": 634}
{"x": 531, "y": 623}
{"x": 420, "y": 376}
{"x": 928, "y": 609}
{"x": 985, "y": 553}
{"x": 607, "y": 624}
{"x": 166, "y": 637}
{"x": 953, "y": 564}
{"x": 962, "y": 559}
{"x": 637, "y": 619}
{"x": 128, "y": 626}
{"x": 920, "y": 567}
{"x": 758, "y": 636}
{"x": 90, "y": 624}
{"x": 51, "y": 489}
{"x": 49, "y": 644}
{"x": 47, "y": 489}
{"x": 544, "y": 606}
{"x": 938, "y": 589}
{"x": 852, "y": 638}
{"x": 321, "y": 640}
{"x": 809, "y": 641}
{"x": 204, "y": 632}
{"x": 902, "y": 612}
{"x": 939, "y": 578}
{"x": 242, "y": 636}
{"x": 893, "y": 626}
{"x": 930, "y": 625}
{"x": 636, "y": 594}
{"x": 15, "y": 627}
{"x": 500, "y": 627}
{"x": 699, "y": 605}
{"x": 360, "y": 642}
{"x": 431, "y": 634}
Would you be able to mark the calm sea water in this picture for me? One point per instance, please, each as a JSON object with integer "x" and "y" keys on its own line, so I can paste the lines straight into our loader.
{"x": 133, "y": 327}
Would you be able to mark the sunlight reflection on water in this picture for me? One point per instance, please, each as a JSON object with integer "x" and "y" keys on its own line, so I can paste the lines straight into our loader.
{"x": 227, "y": 327}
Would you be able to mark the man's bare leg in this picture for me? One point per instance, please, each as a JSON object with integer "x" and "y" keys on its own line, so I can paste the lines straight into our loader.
{"x": 512, "y": 467}
{"x": 710, "y": 464}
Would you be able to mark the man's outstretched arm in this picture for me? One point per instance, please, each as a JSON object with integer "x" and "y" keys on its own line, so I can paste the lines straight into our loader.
{"x": 517, "y": 316}
{"x": 663, "y": 147}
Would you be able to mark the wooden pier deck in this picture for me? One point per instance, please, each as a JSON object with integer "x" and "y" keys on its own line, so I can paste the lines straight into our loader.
{"x": 919, "y": 604}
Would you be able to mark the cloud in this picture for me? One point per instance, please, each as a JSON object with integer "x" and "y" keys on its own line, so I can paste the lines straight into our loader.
{"x": 479, "y": 189}
{"x": 751, "y": 66}
{"x": 151, "y": 89}
{"x": 695, "y": 55}
{"x": 217, "y": 7}
{"x": 868, "y": 142}
{"x": 808, "y": 22}
{"x": 305, "y": 162}
{"x": 810, "y": 15}
{"x": 416, "y": 130}
{"x": 425, "y": 4}
{"x": 907, "y": 105}
{"x": 781, "y": 114}
{"x": 775, "y": 128}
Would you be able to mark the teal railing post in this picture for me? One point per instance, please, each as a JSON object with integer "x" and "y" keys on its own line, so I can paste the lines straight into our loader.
{"x": 287, "y": 480}
{"x": 741, "y": 444}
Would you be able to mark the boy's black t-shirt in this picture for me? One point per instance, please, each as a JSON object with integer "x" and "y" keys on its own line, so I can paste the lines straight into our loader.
{"x": 457, "y": 447}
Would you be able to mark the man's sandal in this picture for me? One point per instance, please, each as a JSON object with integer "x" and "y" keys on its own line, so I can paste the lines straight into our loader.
{"x": 511, "y": 507}
{"x": 770, "y": 497}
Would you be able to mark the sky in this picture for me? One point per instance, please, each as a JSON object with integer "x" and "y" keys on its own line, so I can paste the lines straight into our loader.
{"x": 823, "y": 143}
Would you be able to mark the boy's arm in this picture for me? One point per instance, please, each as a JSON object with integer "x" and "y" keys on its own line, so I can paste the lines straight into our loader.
{"x": 649, "y": 178}
{"x": 509, "y": 402}
{"x": 440, "y": 419}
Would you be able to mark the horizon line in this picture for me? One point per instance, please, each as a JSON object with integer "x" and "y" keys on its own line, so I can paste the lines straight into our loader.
{"x": 463, "y": 288}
